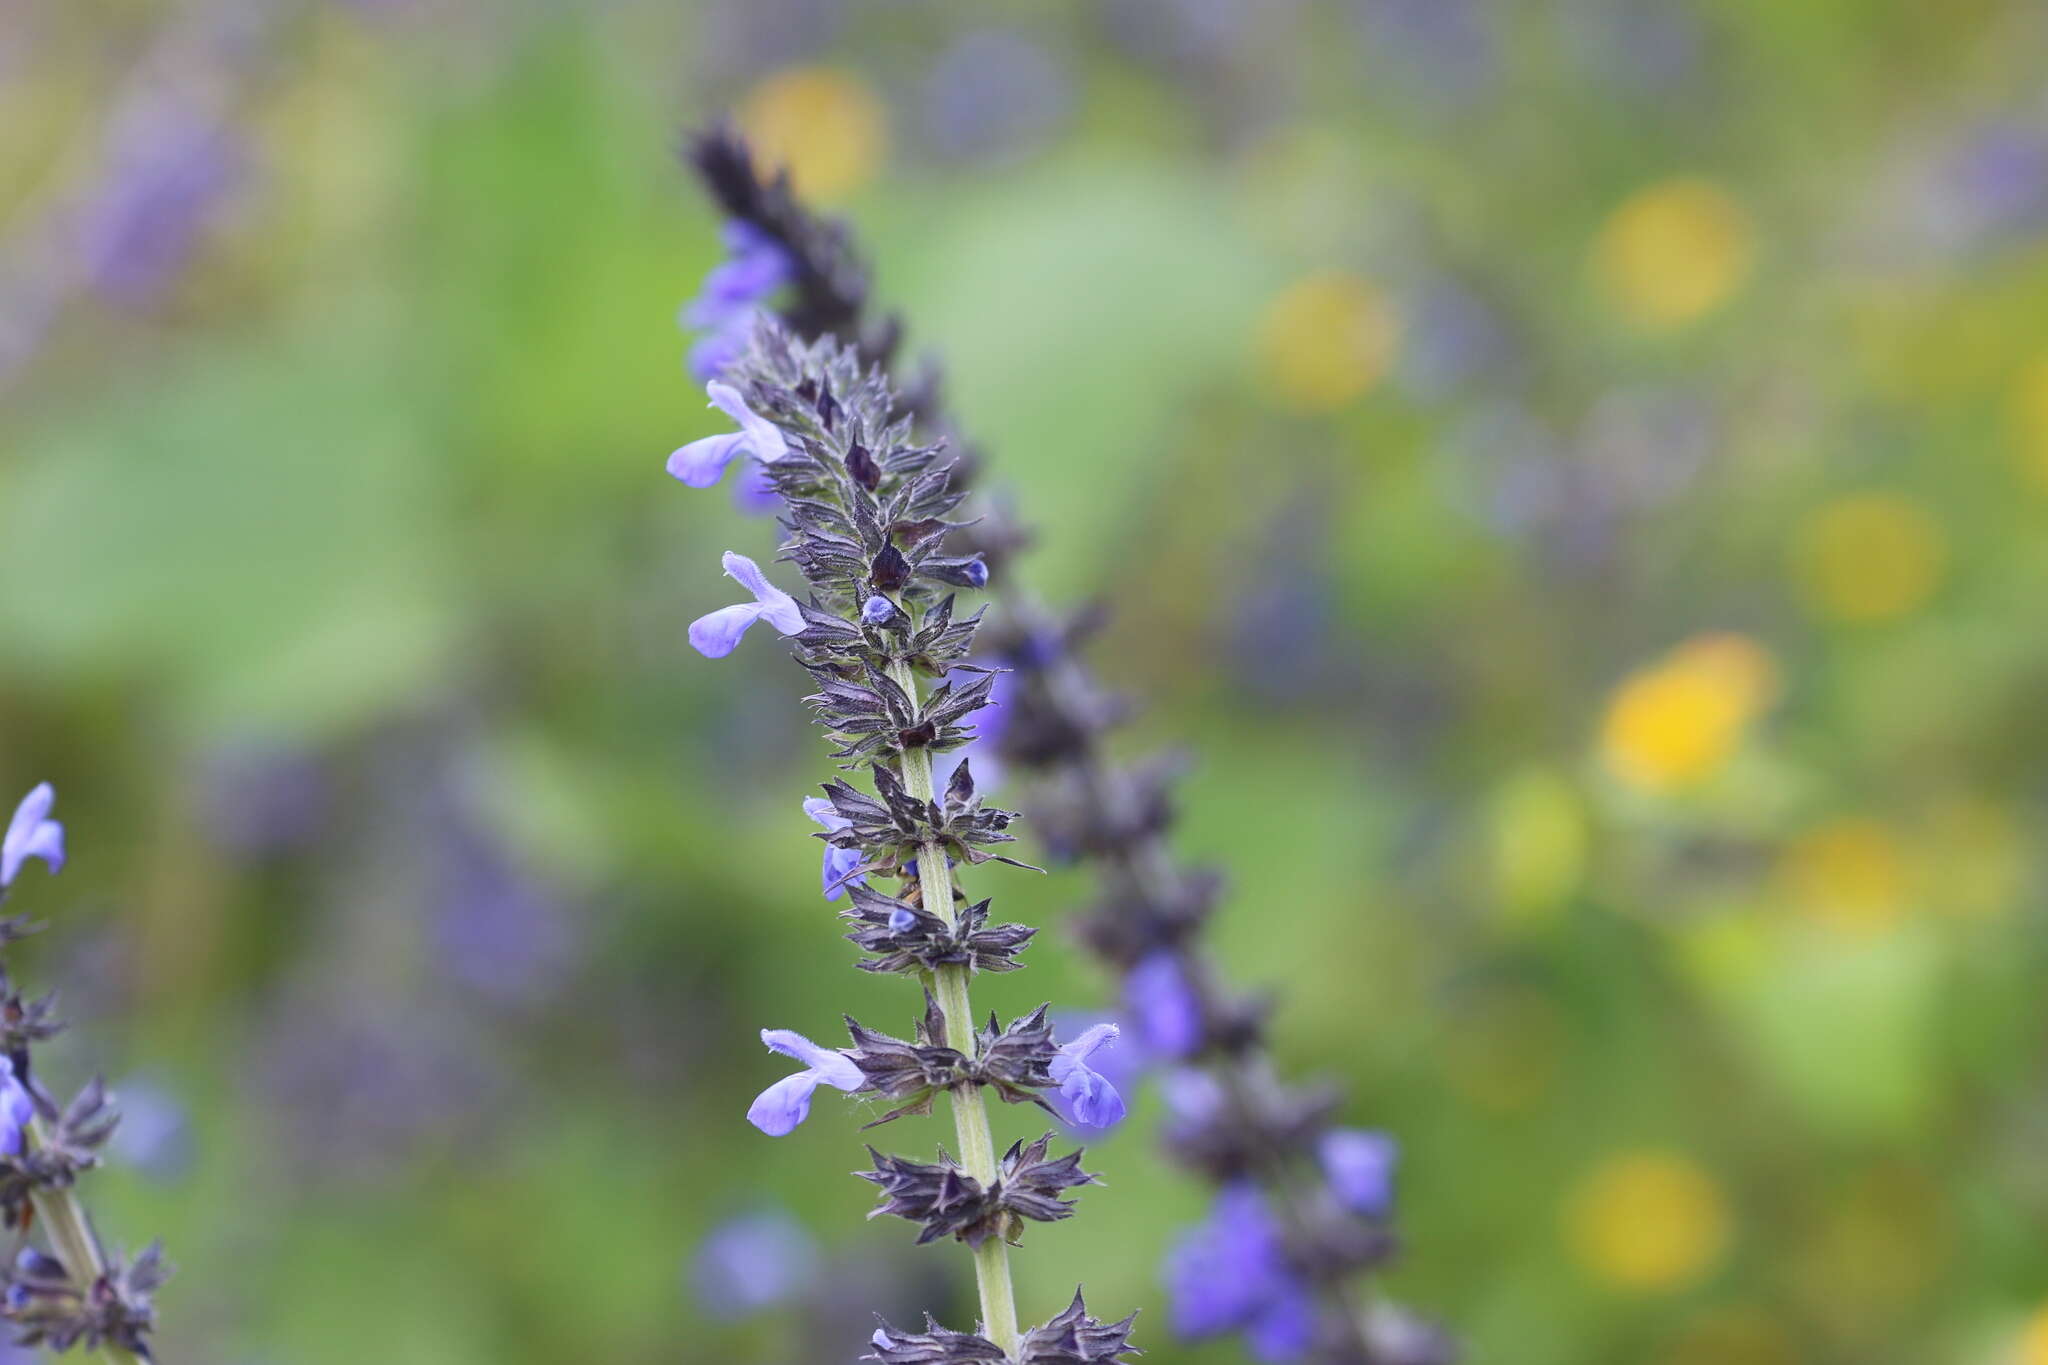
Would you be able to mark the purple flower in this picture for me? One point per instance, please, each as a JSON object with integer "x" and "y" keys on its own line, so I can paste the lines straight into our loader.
{"x": 703, "y": 462}
{"x": 753, "y": 492}
{"x": 32, "y": 834}
{"x": 16, "y": 1109}
{"x": 726, "y": 307}
{"x": 1360, "y": 1168}
{"x": 1092, "y": 1102}
{"x": 777, "y": 1110}
{"x": 171, "y": 168}
{"x": 1161, "y": 1003}
{"x": 756, "y": 268}
{"x": 1230, "y": 1274}
{"x": 839, "y": 862}
{"x": 155, "y": 1136}
{"x": 718, "y": 633}
{"x": 988, "y": 729}
{"x": 877, "y": 609}
{"x": 752, "y": 1262}
{"x": 712, "y": 352}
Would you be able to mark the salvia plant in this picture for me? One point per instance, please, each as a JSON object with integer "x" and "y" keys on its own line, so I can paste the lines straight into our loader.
{"x": 74, "y": 1294}
{"x": 1302, "y": 1205}
{"x": 865, "y": 513}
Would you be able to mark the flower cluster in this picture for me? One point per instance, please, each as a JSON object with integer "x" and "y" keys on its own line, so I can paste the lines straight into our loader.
{"x": 1302, "y": 1204}
{"x": 866, "y": 515}
{"x": 78, "y": 1295}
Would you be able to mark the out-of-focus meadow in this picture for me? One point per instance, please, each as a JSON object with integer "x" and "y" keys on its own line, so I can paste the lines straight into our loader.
{"x": 1590, "y": 471}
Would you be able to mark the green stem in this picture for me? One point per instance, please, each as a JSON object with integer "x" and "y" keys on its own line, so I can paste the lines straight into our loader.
{"x": 970, "y": 1114}
{"x": 71, "y": 1233}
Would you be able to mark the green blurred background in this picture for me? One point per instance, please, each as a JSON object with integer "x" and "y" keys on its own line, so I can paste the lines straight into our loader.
{"x": 1576, "y": 474}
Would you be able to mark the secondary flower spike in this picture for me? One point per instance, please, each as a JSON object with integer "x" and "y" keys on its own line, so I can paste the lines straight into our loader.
{"x": 703, "y": 462}
{"x": 32, "y": 834}
{"x": 718, "y": 633}
{"x": 1092, "y": 1102}
{"x": 777, "y": 1110}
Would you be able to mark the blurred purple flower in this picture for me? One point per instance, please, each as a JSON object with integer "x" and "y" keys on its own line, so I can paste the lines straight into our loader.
{"x": 497, "y": 928}
{"x": 1161, "y": 1004}
{"x": 725, "y": 308}
{"x": 1230, "y": 1274}
{"x": 169, "y": 170}
{"x": 753, "y": 492}
{"x": 155, "y": 1136}
{"x": 751, "y": 1263}
{"x": 778, "y": 1110}
{"x": 1450, "y": 337}
{"x": 1090, "y": 1100}
{"x": 1437, "y": 52}
{"x": 756, "y": 267}
{"x": 984, "y": 749}
{"x": 1359, "y": 1166}
{"x": 1647, "y": 446}
{"x": 1996, "y": 178}
{"x": 261, "y": 798}
{"x": 992, "y": 95}
{"x": 1187, "y": 32}
{"x": 716, "y": 634}
{"x": 32, "y": 834}
{"x": 839, "y": 862}
{"x": 1643, "y": 46}
{"x": 749, "y": 37}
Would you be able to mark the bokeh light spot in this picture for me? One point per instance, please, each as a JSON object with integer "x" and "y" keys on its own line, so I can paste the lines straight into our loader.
{"x": 1848, "y": 874}
{"x": 1648, "y": 1221}
{"x": 1677, "y": 722}
{"x": 1674, "y": 252}
{"x": 826, "y": 125}
{"x": 1326, "y": 341}
{"x": 2030, "y": 422}
{"x": 1869, "y": 557}
{"x": 1732, "y": 1336}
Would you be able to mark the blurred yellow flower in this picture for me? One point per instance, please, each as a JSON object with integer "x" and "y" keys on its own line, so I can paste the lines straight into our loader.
{"x": 1537, "y": 840}
{"x": 1973, "y": 860}
{"x": 1676, "y": 722}
{"x": 1732, "y": 1336}
{"x": 2030, "y": 421}
{"x": 1848, "y": 874}
{"x": 826, "y": 125}
{"x": 1674, "y": 252}
{"x": 1648, "y": 1221}
{"x": 2033, "y": 1342}
{"x": 1504, "y": 1051}
{"x": 1868, "y": 557}
{"x": 1325, "y": 341}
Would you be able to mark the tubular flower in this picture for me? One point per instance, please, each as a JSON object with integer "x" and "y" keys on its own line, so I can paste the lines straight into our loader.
{"x": 703, "y": 462}
{"x": 1092, "y": 1102}
{"x": 716, "y": 634}
{"x": 32, "y": 834}
{"x": 777, "y": 1110}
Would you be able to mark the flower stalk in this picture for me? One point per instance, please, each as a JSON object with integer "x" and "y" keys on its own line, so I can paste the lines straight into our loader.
{"x": 993, "y": 1285}
{"x": 1302, "y": 1205}
{"x": 79, "y": 1296}
{"x": 865, "y": 521}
